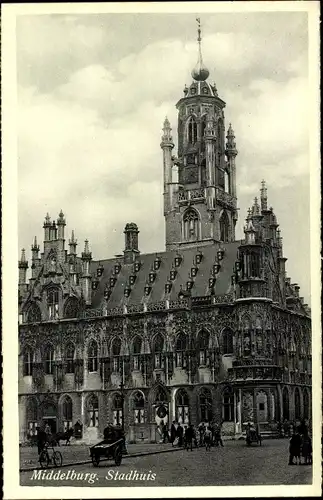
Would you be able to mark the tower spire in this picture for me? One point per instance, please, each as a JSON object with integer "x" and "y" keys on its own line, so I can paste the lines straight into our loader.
{"x": 200, "y": 73}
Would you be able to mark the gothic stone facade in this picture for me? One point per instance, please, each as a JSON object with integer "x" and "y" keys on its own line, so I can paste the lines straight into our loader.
{"x": 210, "y": 329}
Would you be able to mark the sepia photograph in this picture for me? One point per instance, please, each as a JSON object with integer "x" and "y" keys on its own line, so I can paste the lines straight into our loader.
{"x": 167, "y": 233}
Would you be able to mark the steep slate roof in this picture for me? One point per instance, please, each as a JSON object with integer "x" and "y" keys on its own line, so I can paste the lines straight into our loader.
{"x": 201, "y": 281}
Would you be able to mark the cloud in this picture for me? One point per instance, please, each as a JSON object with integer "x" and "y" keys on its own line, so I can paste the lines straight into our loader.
{"x": 89, "y": 140}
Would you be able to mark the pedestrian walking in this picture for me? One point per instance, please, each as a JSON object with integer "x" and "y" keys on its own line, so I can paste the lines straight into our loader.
{"x": 207, "y": 438}
{"x": 189, "y": 435}
{"x": 41, "y": 439}
{"x": 307, "y": 449}
{"x": 201, "y": 432}
{"x": 173, "y": 433}
{"x": 179, "y": 433}
{"x": 217, "y": 435}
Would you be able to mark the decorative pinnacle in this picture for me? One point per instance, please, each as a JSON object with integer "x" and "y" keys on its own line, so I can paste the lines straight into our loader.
{"x": 61, "y": 220}
{"x": 23, "y": 255}
{"x": 47, "y": 220}
{"x": 35, "y": 246}
{"x": 200, "y": 73}
{"x": 72, "y": 241}
{"x": 23, "y": 264}
{"x": 167, "y": 139}
{"x": 86, "y": 254}
{"x": 256, "y": 208}
{"x": 263, "y": 195}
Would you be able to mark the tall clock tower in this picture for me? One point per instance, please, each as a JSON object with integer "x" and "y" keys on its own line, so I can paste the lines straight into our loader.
{"x": 200, "y": 206}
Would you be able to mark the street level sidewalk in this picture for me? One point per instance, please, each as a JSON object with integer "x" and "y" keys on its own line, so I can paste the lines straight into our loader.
{"x": 78, "y": 453}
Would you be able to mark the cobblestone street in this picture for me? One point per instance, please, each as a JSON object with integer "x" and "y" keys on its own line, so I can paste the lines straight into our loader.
{"x": 235, "y": 464}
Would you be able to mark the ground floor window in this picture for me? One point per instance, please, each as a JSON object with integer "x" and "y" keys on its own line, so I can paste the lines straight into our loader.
{"x": 228, "y": 406}
{"x": 139, "y": 408}
{"x": 117, "y": 410}
{"x": 32, "y": 429}
{"x": 93, "y": 412}
{"x": 182, "y": 407}
{"x": 205, "y": 400}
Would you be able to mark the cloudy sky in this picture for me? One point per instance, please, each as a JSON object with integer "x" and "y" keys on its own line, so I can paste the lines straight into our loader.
{"x": 93, "y": 91}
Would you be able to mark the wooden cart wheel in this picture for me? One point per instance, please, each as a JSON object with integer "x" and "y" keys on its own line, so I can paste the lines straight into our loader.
{"x": 95, "y": 460}
{"x": 58, "y": 459}
{"x": 118, "y": 456}
{"x": 44, "y": 459}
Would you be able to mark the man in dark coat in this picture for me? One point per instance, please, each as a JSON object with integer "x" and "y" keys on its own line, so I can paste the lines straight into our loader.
{"x": 179, "y": 433}
{"x": 295, "y": 444}
{"x": 173, "y": 433}
{"x": 189, "y": 435}
{"x": 41, "y": 439}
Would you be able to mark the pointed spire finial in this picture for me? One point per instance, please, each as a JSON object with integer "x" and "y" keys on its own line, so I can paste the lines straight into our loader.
{"x": 200, "y": 73}
{"x": 263, "y": 195}
{"x": 23, "y": 255}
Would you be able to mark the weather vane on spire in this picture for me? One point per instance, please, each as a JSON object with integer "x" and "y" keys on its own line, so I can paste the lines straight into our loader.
{"x": 200, "y": 72}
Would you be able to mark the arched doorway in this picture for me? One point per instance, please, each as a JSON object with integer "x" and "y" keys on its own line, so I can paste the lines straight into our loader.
{"x": 297, "y": 403}
{"x": 49, "y": 415}
{"x": 285, "y": 404}
{"x": 67, "y": 413}
{"x": 182, "y": 406}
{"x": 205, "y": 404}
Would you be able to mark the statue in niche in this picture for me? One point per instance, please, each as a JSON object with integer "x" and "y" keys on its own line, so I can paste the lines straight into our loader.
{"x": 259, "y": 343}
{"x": 246, "y": 343}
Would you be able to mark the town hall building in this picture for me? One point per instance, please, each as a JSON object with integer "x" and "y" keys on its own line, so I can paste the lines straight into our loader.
{"x": 211, "y": 329}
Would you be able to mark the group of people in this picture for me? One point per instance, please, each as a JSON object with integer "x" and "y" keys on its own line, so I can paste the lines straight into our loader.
{"x": 300, "y": 445}
{"x": 186, "y": 435}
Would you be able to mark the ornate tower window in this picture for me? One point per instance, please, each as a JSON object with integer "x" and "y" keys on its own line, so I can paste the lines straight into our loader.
{"x": 139, "y": 408}
{"x": 67, "y": 413}
{"x": 224, "y": 227}
{"x": 192, "y": 131}
{"x": 52, "y": 303}
{"x": 33, "y": 314}
{"x": 93, "y": 356}
{"x": 226, "y": 181}
{"x": 228, "y": 406}
{"x": 116, "y": 359}
{"x": 182, "y": 407}
{"x": 158, "y": 350}
{"x": 71, "y": 308}
{"x": 227, "y": 337}
{"x": 191, "y": 225}
{"x": 203, "y": 346}
{"x": 205, "y": 401}
{"x": 117, "y": 409}
{"x": 181, "y": 346}
{"x": 93, "y": 411}
{"x": 203, "y": 127}
{"x": 254, "y": 265}
{"x": 49, "y": 360}
{"x": 28, "y": 363}
{"x": 136, "y": 349}
{"x": 69, "y": 359}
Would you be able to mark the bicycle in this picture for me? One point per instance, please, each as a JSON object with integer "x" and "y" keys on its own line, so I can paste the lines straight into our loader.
{"x": 50, "y": 456}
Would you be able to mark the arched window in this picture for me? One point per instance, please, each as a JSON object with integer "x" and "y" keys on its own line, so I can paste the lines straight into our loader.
{"x": 228, "y": 406}
{"x": 136, "y": 349}
{"x": 92, "y": 356}
{"x": 262, "y": 407}
{"x": 191, "y": 225}
{"x": 227, "y": 337}
{"x": 71, "y": 308}
{"x": 49, "y": 360}
{"x": 161, "y": 395}
{"x": 192, "y": 131}
{"x": 158, "y": 347}
{"x": 285, "y": 404}
{"x": 139, "y": 408}
{"x": 182, "y": 407}
{"x": 52, "y": 303}
{"x": 220, "y": 137}
{"x": 297, "y": 404}
{"x": 33, "y": 314}
{"x": 203, "y": 126}
{"x": 69, "y": 358}
{"x": 116, "y": 350}
{"x": 67, "y": 413}
{"x": 224, "y": 227}
{"x": 254, "y": 265}
{"x": 32, "y": 417}
{"x": 181, "y": 346}
{"x": 203, "y": 346}
{"x": 306, "y": 404}
{"x": 205, "y": 400}
{"x": 93, "y": 411}
{"x": 117, "y": 409}
{"x": 28, "y": 362}
{"x": 226, "y": 182}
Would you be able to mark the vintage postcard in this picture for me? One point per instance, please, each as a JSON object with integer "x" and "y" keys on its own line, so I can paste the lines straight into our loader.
{"x": 161, "y": 218}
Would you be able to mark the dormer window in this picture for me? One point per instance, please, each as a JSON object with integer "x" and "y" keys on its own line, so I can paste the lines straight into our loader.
{"x": 136, "y": 267}
{"x": 52, "y": 303}
{"x": 157, "y": 262}
{"x": 216, "y": 268}
{"x": 147, "y": 289}
{"x": 212, "y": 282}
{"x": 99, "y": 271}
{"x": 113, "y": 280}
{"x": 178, "y": 260}
{"x": 152, "y": 276}
{"x": 168, "y": 287}
{"x": 194, "y": 271}
{"x": 220, "y": 253}
{"x": 107, "y": 293}
{"x": 173, "y": 273}
{"x": 205, "y": 90}
{"x": 237, "y": 266}
{"x": 117, "y": 268}
{"x": 95, "y": 283}
{"x": 127, "y": 291}
{"x": 198, "y": 258}
{"x": 189, "y": 284}
{"x": 132, "y": 279}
